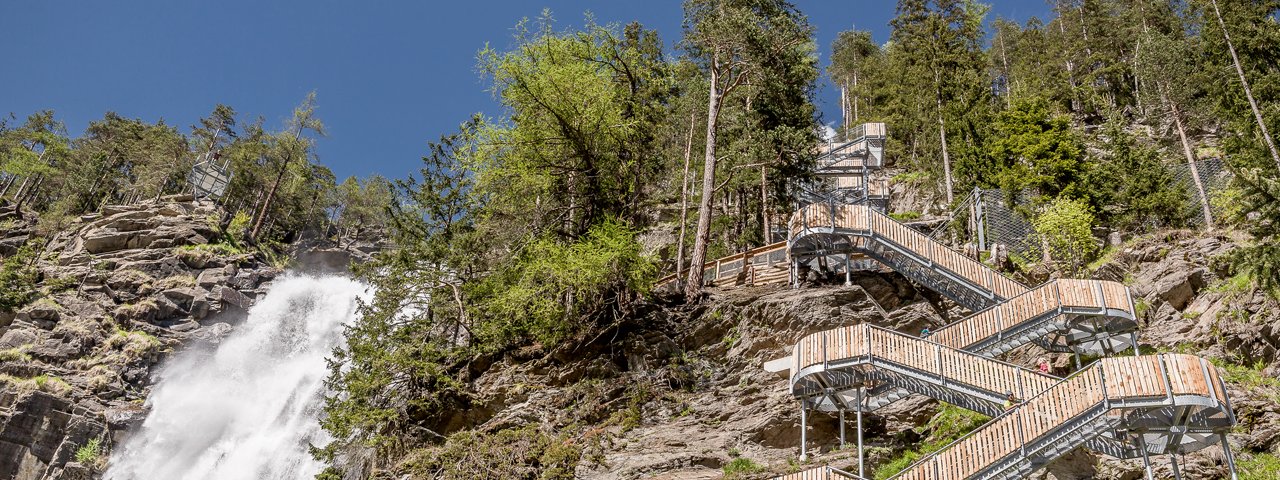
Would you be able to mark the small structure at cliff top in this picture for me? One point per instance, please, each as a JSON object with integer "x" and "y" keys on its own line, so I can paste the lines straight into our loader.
{"x": 1131, "y": 407}
{"x": 210, "y": 176}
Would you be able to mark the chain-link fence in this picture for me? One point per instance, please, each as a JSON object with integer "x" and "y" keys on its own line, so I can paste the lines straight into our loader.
{"x": 984, "y": 218}
{"x": 1214, "y": 175}
{"x": 987, "y": 217}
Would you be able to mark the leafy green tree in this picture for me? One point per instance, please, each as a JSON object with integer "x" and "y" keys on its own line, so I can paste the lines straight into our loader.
{"x": 361, "y": 206}
{"x": 939, "y": 69}
{"x": 737, "y": 43}
{"x": 35, "y": 153}
{"x": 1067, "y": 228}
{"x": 286, "y": 147}
{"x": 1033, "y": 149}
{"x": 851, "y": 53}
{"x": 18, "y": 278}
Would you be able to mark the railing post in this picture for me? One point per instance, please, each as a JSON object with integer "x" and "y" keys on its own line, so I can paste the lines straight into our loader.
{"x": 981, "y": 223}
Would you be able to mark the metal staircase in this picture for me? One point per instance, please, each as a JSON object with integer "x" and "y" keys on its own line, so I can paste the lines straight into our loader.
{"x": 1125, "y": 407}
{"x": 864, "y": 368}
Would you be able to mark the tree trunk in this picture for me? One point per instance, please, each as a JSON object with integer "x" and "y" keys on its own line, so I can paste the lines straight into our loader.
{"x": 844, "y": 104}
{"x": 764, "y": 204}
{"x": 946, "y": 157}
{"x": 262, "y": 214}
{"x": 1008, "y": 81}
{"x": 1071, "y": 77}
{"x": 855, "y": 97}
{"x": 684, "y": 200}
{"x": 693, "y": 287}
{"x": 1191, "y": 162}
{"x": 8, "y": 182}
{"x": 1248, "y": 92}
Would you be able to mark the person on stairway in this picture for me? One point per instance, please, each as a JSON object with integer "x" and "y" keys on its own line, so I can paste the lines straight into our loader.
{"x": 1010, "y": 400}
{"x": 1043, "y": 365}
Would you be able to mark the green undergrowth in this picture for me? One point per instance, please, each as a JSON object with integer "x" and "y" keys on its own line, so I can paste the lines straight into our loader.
{"x": 1261, "y": 466}
{"x": 43, "y": 383}
{"x": 525, "y": 452}
{"x": 950, "y": 423}
{"x": 91, "y": 453}
{"x": 911, "y": 177}
{"x": 740, "y": 467}
{"x": 1234, "y": 286}
{"x": 1248, "y": 376}
{"x": 904, "y": 216}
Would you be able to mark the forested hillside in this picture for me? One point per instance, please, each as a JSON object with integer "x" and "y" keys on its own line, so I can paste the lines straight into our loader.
{"x": 532, "y": 232}
{"x": 278, "y": 190}
{"x": 526, "y": 247}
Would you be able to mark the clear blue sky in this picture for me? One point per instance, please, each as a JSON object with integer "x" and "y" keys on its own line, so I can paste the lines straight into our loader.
{"x": 390, "y": 76}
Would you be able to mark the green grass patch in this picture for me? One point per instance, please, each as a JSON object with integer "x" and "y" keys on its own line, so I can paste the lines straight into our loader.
{"x": 950, "y": 423}
{"x": 90, "y": 453}
{"x": 1106, "y": 256}
{"x": 1239, "y": 284}
{"x": 16, "y": 354}
{"x": 1262, "y": 466}
{"x": 904, "y": 216}
{"x": 741, "y": 466}
{"x": 910, "y": 177}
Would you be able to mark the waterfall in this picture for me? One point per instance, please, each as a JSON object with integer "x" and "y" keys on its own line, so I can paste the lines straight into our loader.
{"x": 250, "y": 409}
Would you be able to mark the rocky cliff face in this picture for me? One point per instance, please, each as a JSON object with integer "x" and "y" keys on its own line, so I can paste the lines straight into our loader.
{"x": 122, "y": 291}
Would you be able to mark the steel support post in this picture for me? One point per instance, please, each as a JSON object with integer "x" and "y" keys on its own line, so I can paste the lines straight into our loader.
{"x": 861, "y": 472}
{"x": 1231, "y": 459}
{"x": 1077, "y": 357}
{"x": 1134, "y": 337}
{"x": 1173, "y": 465}
{"x": 848, "y": 267}
{"x": 981, "y": 227}
{"x": 841, "y": 428}
{"x": 1146, "y": 461}
{"x": 804, "y": 424}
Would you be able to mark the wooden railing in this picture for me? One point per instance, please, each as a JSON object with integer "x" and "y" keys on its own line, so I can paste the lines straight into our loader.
{"x": 1111, "y": 383}
{"x": 729, "y": 266}
{"x": 1076, "y": 295}
{"x": 862, "y": 220}
{"x": 942, "y": 363}
{"x": 821, "y": 473}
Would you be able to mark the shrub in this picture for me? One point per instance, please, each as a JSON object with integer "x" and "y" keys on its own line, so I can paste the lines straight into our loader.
{"x": 18, "y": 278}
{"x": 16, "y": 354}
{"x": 525, "y": 452}
{"x": 1067, "y": 226}
{"x": 948, "y": 425}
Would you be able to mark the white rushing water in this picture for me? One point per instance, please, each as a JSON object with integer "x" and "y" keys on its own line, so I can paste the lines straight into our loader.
{"x": 249, "y": 409}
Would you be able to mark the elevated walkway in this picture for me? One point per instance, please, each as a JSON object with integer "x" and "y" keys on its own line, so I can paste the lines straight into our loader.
{"x": 826, "y": 229}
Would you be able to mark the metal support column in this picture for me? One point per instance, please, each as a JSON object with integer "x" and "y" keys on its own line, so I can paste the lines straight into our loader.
{"x": 804, "y": 424}
{"x": 1146, "y": 461}
{"x": 981, "y": 227}
{"x": 848, "y": 267}
{"x": 1133, "y": 336}
{"x": 1077, "y": 357}
{"x": 861, "y": 472}
{"x": 1231, "y": 459}
{"x": 1173, "y": 465}
{"x": 842, "y": 428}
